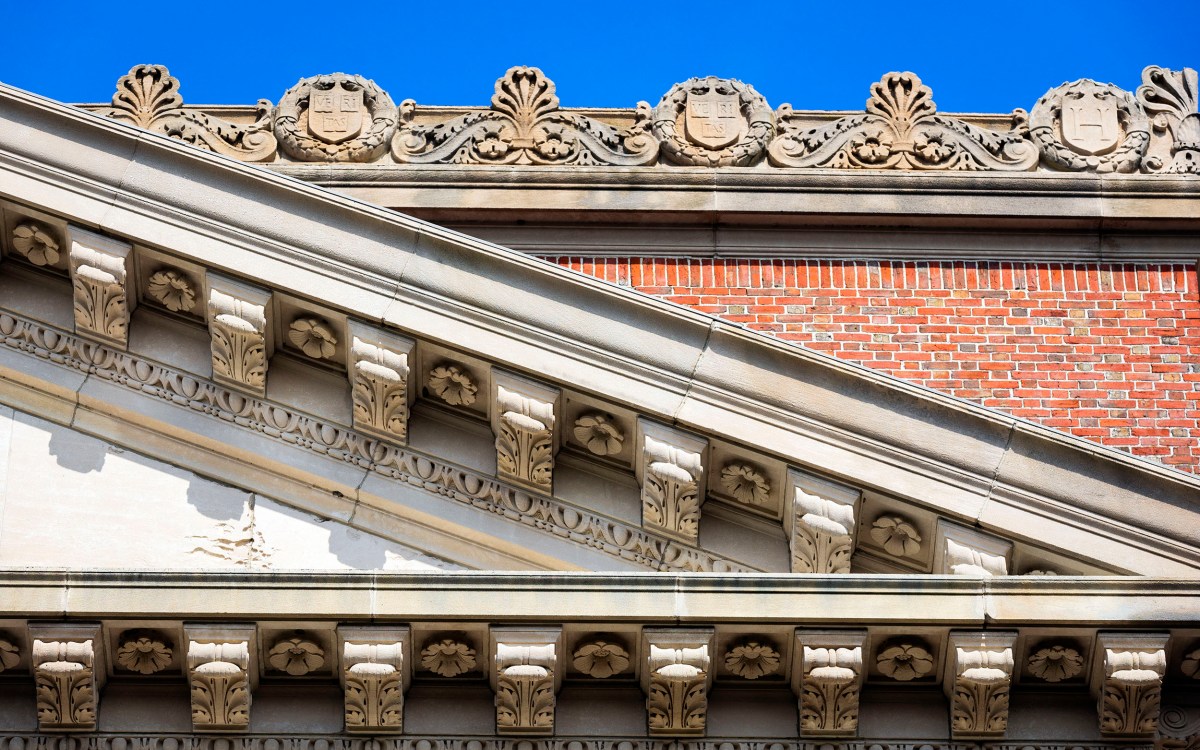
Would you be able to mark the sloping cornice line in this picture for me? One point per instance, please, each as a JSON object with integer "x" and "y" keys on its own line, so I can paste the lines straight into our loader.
{"x": 840, "y": 418}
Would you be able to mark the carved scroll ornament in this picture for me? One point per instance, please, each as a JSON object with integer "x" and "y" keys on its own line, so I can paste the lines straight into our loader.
{"x": 671, "y": 489}
{"x": 982, "y": 676}
{"x": 237, "y": 322}
{"x": 1170, "y": 98}
{"x": 1131, "y": 691}
{"x": 822, "y": 535}
{"x": 902, "y": 130}
{"x": 713, "y": 122}
{"x": 379, "y": 381}
{"x": 99, "y": 280}
{"x": 373, "y": 678}
{"x": 218, "y": 674}
{"x": 148, "y": 97}
{"x": 335, "y": 117}
{"x": 524, "y": 428}
{"x": 677, "y": 697}
{"x": 1089, "y": 126}
{"x": 525, "y": 698}
{"x": 524, "y": 126}
{"x": 829, "y": 690}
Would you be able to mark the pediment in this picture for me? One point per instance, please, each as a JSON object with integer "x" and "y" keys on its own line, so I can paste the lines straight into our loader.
{"x": 464, "y": 403}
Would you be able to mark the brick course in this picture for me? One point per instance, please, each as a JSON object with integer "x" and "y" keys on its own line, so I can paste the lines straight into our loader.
{"x": 1109, "y": 352}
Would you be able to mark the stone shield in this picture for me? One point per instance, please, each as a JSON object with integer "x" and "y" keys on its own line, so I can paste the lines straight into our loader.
{"x": 713, "y": 120}
{"x": 336, "y": 114}
{"x": 1090, "y": 124}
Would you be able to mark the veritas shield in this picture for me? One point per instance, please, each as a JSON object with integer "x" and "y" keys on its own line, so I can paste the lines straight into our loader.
{"x": 713, "y": 120}
{"x": 1090, "y": 124}
{"x": 335, "y": 115}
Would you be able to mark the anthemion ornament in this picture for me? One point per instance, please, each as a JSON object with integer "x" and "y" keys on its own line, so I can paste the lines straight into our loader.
{"x": 35, "y": 243}
{"x": 523, "y": 126}
{"x": 1170, "y": 98}
{"x": 172, "y": 289}
{"x": 1089, "y": 126}
{"x": 144, "y": 652}
{"x": 752, "y": 660}
{"x": 148, "y": 97}
{"x": 448, "y": 657}
{"x": 713, "y": 122}
{"x": 902, "y": 130}
{"x": 897, "y": 536}
{"x": 599, "y": 433}
{"x": 335, "y": 117}
{"x": 745, "y": 483}
{"x": 313, "y": 337}
{"x": 904, "y": 661}
{"x": 1055, "y": 663}
{"x": 296, "y": 656}
{"x": 600, "y": 659}
{"x": 452, "y": 384}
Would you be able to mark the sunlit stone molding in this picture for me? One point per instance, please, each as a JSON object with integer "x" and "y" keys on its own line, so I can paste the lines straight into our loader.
{"x": 713, "y": 122}
{"x": 67, "y": 678}
{"x": 828, "y": 678}
{"x": 670, "y": 470}
{"x": 676, "y": 678}
{"x": 524, "y": 126}
{"x": 100, "y": 274}
{"x": 148, "y": 97}
{"x": 221, "y": 676}
{"x": 335, "y": 117}
{"x": 978, "y": 678}
{"x": 379, "y": 376}
{"x": 821, "y": 524}
{"x": 524, "y": 421}
{"x": 1090, "y": 126}
{"x": 966, "y": 552}
{"x": 374, "y": 677}
{"x": 1129, "y": 684}
{"x": 902, "y": 130}
{"x": 237, "y": 323}
{"x": 525, "y": 677}
{"x": 1170, "y": 98}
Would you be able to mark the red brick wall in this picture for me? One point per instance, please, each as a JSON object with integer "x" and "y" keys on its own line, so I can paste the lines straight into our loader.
{"x": 1107, "y": 352}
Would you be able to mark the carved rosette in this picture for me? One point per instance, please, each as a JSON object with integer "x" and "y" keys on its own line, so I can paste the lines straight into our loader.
{"x": 335, "y": 118}
{"x": 829, "y": 682}
{"x": 65, "y": 680}
{"x": 678, "y": 676}
{"x": 713, "y": 122}
{"x": 600, "y": 659}
{"x": 821, "y": 537}
{"x": 600, "y": 433}
{"x": 1089, "y": 126}
{"x": 448, "y": 657}
{"x": 148, "y": 97}
{"x": 524, "y": 424}
{"x": 1131, "y": 687}
{"x": 218, "y": 675}
{"x": 144, "y": 652}
{"x": 1170, "y": 98}
{"x": 374, "y": 686}
{"x": 99, "y": 281}
{"x": 35, "y": 243}
{"x": 524, "y": 685}
{"x": 671, "y": 474}
{"x": 10, "y": 655}
{"x": 524, "y": 126}
{"x": 378, "y": 371}
{"x": 172, "y": 289}
{"x": 902, "y": 130}
{"x": 982, "y": 676}
{"x": 237, "y": 323}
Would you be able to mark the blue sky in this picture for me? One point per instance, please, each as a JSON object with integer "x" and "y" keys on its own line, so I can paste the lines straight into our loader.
{"x": 980, "y": 56}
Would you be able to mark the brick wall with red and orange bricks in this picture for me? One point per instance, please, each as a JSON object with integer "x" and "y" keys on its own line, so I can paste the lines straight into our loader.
{"x": 1108, "y": 352}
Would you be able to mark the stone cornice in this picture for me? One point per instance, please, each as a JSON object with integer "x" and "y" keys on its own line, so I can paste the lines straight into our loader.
{"x": 674, "y": 365}
{"x": 652, "y": 598}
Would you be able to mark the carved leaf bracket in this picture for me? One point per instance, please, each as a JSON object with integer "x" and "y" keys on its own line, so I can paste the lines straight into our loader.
{"x": 822, "y": 524}
{"x": 237, "y": 323}
{"x": 1130, "y": 684}
{"x": 978, "y": 683}
{"x": 676, "y": 680}
{"x": 66, "y": 679}
{"x": 524, "y": 126}
{"x": 828, "y": 680}
{"x": 379, "y": 372}
{"x": 220, "y": 676}
{"x": 525, "y": 677}
{"x": 523, "y": 420}
{"x": 671, "y": 472}
{"x": 100, "y": 284}
{"x": 374, "y": 677}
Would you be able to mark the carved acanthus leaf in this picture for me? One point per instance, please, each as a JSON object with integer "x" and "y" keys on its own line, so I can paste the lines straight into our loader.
{"x": 523, "y": 126}
{"x": 983, "y": 669}
{"x": 10, "y": 655}
{"x": 524, "y": 685}
{"x": 677, "y": 694}
{"x": 902, "y": 130}
{"x": 379, "y": 382}
{"x": 524, "y": 426}
{"x": 218, "y": 674}
{"x": 374, "y": 685}
{"x": 148, "y": 97}
{"x": 99, "y": 280}
{"x": 1131, "y": 691}
{"x": 237, "y": 322}
{"x": 830, "y": 681}
{"x": 822, "y": 533}
{"x": 670, "y": 477}
{"x": 65, "y": 682}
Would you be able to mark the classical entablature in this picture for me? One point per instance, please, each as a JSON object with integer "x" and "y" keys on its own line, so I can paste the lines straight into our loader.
{"x": 178, "y": 327}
